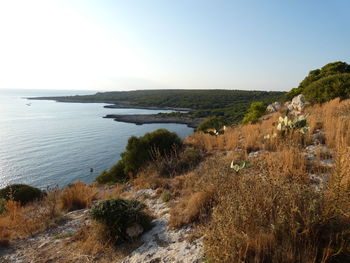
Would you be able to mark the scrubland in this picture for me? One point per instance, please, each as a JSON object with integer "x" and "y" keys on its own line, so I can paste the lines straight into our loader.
{"x": 289, "y": 201}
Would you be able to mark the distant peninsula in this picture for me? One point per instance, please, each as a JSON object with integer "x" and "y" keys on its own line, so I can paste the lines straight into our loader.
{"x": 190, "y": 104}
{"x": 140, "y": 119}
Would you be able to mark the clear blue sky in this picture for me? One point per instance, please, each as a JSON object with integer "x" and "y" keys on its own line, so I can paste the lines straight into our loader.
{"x": 135, "y": 44}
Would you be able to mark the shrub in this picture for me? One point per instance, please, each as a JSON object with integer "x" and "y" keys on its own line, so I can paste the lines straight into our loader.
{"x": 115, "y": 175}
{"x": 118, "y": 215}
{"x": 139, "y": 149}
{"x": 328, "y": 70}
{"x": 77, "y": 196}
{"x": 328, "y": 88}
{"x": 255, "y": 111}
{"x": 21, "y": 193}
{"x": 215, "y": 123}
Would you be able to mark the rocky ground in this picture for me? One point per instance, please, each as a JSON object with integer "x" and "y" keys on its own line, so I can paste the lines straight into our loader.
{"x": 160, "y": 244}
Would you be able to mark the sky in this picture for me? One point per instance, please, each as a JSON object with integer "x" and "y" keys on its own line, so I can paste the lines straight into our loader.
{"x": 156, "y": 44}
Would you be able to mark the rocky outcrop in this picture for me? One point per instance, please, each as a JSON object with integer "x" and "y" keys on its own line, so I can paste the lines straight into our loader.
{"x": 295, "y": 107}
{"x": 298, "y": 103}
{"x": 274, "y": 107}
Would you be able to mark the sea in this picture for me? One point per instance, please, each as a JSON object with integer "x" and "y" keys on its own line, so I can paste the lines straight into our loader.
{"x": 49, "y": 144}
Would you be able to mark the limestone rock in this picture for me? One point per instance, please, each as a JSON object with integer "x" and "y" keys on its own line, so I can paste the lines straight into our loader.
{"x": 274, "y": 107}
{"x": 298, "y": 102}
{"x": 134, "y": 231}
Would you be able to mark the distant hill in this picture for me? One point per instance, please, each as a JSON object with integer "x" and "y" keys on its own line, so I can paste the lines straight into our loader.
{"x": 231, "y": 104}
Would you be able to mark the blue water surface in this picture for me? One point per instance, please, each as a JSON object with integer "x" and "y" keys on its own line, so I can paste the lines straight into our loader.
{"x": 50, "y": 143}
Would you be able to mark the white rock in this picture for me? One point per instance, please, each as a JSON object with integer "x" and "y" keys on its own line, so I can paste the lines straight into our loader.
{"x": 274, "y": 107}
{"x": 134, "y": 231}
{"x": 298, "y": 102}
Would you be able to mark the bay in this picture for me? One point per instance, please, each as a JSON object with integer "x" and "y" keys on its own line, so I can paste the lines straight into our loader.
{"x": 47, "y": 143}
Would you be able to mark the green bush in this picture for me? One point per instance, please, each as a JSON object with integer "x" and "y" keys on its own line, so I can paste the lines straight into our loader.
{"x": 330, "y": 69}
{"x": 328, "y": 88}
{"x": 115, "y": 175}
{"x": 118, "y": 215}
{"x": 21, "y": 193}
{"x": 139, "y": 149}
{"x": 255, "y": 111}
{"x": 212, "y": 123}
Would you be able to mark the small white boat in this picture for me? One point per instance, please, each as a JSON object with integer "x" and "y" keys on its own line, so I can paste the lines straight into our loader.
{"x": 28, "y": 104}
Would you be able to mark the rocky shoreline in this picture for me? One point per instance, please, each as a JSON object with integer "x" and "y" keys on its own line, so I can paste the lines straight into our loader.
{"x": 110, "y": 105}
{"x": 140, "y": 119}
{"x": 125, "y": 106}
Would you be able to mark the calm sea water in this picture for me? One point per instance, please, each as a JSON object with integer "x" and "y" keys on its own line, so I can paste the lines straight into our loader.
{"x": 51, "y": 143}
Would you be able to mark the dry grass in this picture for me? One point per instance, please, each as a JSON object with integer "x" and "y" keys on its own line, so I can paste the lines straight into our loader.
{"x": 195, "y": 209}
{"x": 21, "y": 221}
{"x": 78, "y": 196}
{"x": 270, "y": 212}
{"x": 334, "y": 118}
{"x": 286, "y": 162}
{"x": 283, "y": 221}
{"x": 266, "y": 213}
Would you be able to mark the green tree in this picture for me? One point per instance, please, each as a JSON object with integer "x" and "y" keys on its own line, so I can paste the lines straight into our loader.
{"x": 328, "y": 88}
{"x": 255, "y": 111}
{"x": 330, "y": 69}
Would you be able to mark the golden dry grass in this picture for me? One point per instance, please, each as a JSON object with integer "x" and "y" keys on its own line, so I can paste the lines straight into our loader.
{"x": 266, "y": 220}
{"x": 77, "y": 196}
{"x": 21, "y": 221}
{"x": 270, "y": 212}
{"x": 191, "y": 210}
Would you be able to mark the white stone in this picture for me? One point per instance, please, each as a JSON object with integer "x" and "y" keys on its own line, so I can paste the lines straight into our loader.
{"x": 298, "y": 102}
{"x": 134, "y": 231}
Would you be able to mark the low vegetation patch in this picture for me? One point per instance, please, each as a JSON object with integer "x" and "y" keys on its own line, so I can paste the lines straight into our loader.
{"x": 21, "y": 193}
{"x": 77, "y": 196}
{"x": 124, "y": 219}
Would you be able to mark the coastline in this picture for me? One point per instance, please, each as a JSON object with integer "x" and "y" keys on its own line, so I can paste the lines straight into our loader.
{"x": 121, "y": 106}
{"x": 111, "y": 104}
{"x": 140, "y": 119}
{"x": 137, "y": 119}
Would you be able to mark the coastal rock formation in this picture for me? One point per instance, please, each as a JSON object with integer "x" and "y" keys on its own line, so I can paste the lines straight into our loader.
{"x": 140, "y": 119}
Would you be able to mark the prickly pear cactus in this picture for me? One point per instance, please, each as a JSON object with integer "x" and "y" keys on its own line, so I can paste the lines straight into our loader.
{"x": 238, "y": 167}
